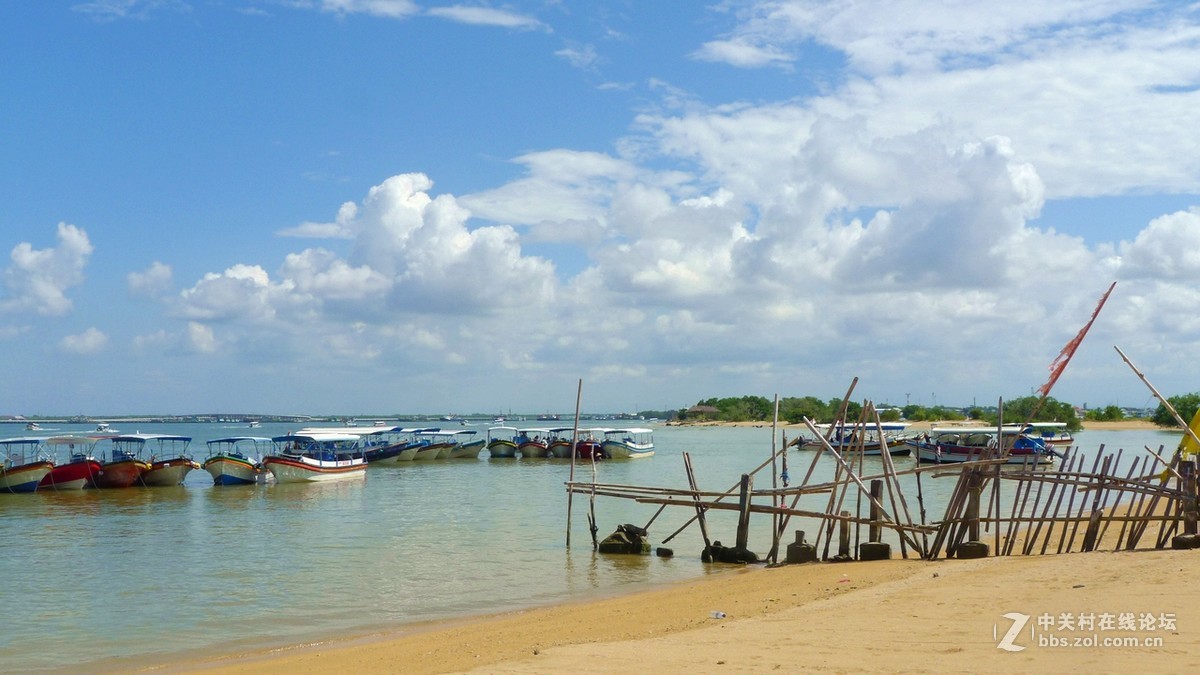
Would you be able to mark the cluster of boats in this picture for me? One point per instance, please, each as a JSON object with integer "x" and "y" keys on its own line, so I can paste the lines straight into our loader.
{"x": 1033, "y": 443}
{"x": 75, "y": 462}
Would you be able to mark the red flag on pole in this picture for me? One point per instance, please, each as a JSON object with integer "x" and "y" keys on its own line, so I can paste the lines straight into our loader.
{"x": 1060, "y": 361}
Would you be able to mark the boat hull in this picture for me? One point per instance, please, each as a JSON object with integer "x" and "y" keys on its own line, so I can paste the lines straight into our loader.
{"x": 308, "y": 469}
{"x": 559, "y": 449}
{"x": 74, "y": 475}
{"x": 502, "y": 449}
{"x": 391, "y": 454}
{"x": 228, "y": 470}
{"x": 533, "y": 450}
{"x": 470, "y": 450}
{"x": 948, "y": 454}
{"x": 24, "y": 478}
{"x": 427, "y": 452}
{"x": 623, "y": 450}
{"x": 121, "y": 474}
{"x": 168, "y": 472}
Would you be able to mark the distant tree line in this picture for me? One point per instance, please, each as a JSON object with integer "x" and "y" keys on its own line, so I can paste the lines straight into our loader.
{"x": 794, "y": 409}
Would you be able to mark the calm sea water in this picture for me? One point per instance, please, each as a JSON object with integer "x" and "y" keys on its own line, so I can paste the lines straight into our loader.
{"x": 154, "y": 574}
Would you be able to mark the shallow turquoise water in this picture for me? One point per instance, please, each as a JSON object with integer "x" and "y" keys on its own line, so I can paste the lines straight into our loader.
{"x": 156, "y": 573}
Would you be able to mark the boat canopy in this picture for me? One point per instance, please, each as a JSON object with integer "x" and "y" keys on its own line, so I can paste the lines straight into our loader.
{"x": 142, "y": 438}
{"x": 629, "y": 431}
{"x": 973, "y": 430}
{"x": 73, "y": 440}
{"x": 325, "y": 437}
{"x": 237, "y": 439}
{"x": 25, "y": 440}
{"x": 439, "y": 433}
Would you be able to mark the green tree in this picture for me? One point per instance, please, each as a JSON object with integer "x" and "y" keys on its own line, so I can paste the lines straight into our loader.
{"x": 1185, "y": 404}
{"x": 795, "y": 409}
{"x": 1018, "y": 410}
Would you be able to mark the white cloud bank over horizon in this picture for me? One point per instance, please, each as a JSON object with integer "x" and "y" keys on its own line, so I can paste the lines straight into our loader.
{"x": 887, "y": 229}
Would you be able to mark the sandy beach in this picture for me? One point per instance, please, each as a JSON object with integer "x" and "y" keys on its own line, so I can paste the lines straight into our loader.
{"x": 1100, "y": 611}
{"x": 895, "y": 616}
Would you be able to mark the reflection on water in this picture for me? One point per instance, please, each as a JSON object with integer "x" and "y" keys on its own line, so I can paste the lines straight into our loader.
{"x": 165, "y": 570}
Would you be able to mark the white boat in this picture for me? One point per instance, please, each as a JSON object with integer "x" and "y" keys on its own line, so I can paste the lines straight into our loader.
{"x": 236, "y": 460}
{"x": 104, "y": 428}
{"x": 1052, "y": 433}
{"x": 965, "y": 444}
{"x": 627, "y": 443}
{"x": 502, "y": 442}
{"x": 302, "y": 458}
{"x": 33, "y": 426}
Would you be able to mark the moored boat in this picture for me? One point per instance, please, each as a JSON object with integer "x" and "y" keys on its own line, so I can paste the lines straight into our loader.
{"x": 75, "y": 467}
{"x": 466, "y": 445}
{"x": 1053, "y": 434}
{"x": 23, "y": 464}
{"x": 235, "y": 460}
{"x": 502, "y": 442}
{"x": 123, "y": 466}
{"x": 392, "y": 445}
{"x": 432, "y": 444}
{"x": 169, "y": 461}
{"x": 590, "y": 444}
{"x": 966, "y": 444}
{"x": 301, "y": 458}
{"x": 865, "y": 438}
{"x": 628, "y": 443}
{"x": 560, "y": 443}
{"x": 532, "y": 443}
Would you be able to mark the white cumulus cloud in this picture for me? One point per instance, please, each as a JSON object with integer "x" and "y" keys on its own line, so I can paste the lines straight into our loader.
{"x": 90, "y": 341}
{"x": 38, "y": 279}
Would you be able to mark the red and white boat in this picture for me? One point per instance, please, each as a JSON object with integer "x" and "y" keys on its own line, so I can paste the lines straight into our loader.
{"x": 23, "y": 464}
{"x": 533, "y": 443}
{"x": 307, "y": 457}
{"x": 75, "y": 467}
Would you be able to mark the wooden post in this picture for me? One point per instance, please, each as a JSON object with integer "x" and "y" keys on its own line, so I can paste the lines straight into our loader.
{"x": 844, "y": 538}
{"x": 974, "y": 483}
{"x": 743, "y": 526}
{"x": 1188, "y": 470}
{"x": 875, "y": 533}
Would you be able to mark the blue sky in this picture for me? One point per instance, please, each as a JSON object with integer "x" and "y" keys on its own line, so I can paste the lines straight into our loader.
{"x": 347, "y": 206}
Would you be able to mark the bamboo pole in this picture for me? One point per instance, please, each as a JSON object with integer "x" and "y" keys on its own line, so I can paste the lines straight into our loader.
{"x": 592, "y": 525}
{"x": 687, "y": 464}
{"x": 773, "y": 555}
